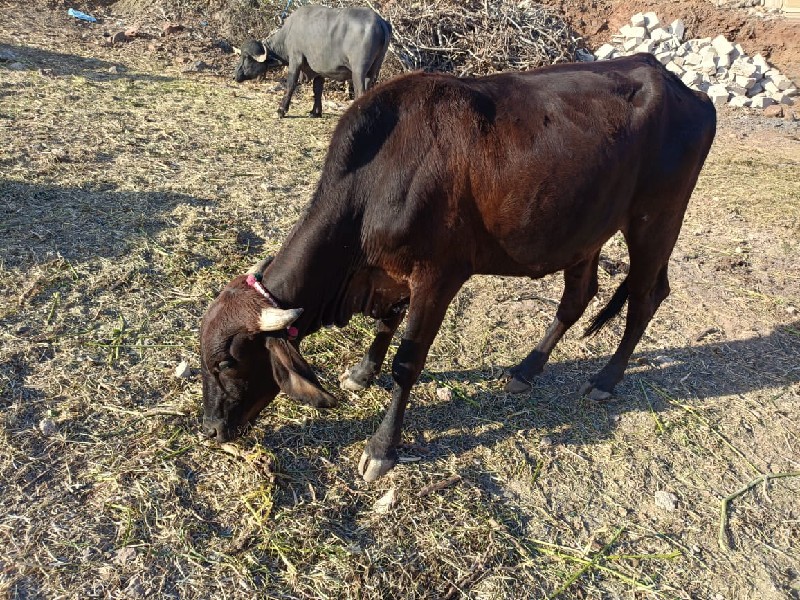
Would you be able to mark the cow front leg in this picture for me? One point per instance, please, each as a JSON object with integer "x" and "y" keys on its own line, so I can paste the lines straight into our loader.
{"x": 427, "y": 307}
{"x": 580, "y": 286}
{"x": 360, "y": 376}
{"x": 291, "y": 84}
{"x": 317, "y": 82}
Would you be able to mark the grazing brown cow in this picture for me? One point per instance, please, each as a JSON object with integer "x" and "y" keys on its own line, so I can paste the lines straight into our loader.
{"x": 429, "y": 179}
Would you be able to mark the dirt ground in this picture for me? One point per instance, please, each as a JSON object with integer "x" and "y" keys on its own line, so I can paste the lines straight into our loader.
{"x": 134, "y": 182}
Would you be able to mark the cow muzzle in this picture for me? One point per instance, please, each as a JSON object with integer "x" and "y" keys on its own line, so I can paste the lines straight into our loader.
{"x": 216, "y": 429}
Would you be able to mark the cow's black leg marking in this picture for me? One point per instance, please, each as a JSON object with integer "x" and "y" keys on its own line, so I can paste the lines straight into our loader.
{"x": 361, "y": 375}
{"x": 428, "y": 305}
{"x": 580, "y": 286}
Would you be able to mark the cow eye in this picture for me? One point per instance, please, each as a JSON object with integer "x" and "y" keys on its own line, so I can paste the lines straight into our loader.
{"x": 225, "y": 364}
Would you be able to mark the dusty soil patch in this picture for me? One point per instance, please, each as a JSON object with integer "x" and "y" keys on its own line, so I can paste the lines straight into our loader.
{"x": 130, "y": 197}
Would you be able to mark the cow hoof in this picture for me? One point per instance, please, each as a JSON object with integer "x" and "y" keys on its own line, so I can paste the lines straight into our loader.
{"x": 347, "y": 383}
{"x": 517, "y": 386}
{"x": 315, "y": 115}
{"x": 373, "y": 468}
{"x": 281, "y": 113}
{"x": 594, "y": 393}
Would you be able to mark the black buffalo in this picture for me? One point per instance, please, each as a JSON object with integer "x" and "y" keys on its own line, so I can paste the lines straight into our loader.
{"x": 320, "y": 43}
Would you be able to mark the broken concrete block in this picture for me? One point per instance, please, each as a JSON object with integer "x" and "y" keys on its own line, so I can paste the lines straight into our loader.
{"x": 718, "y": 94}
{"x": 638, "y": 20}
{"x": 664, "y": 57}
{"x": 744, "y": 68}
{"x": 605, "y": 51}
{"x": 630, "y": 44}
{"x": 761, "y": 101}
{"x": 724, "y": 61}
{"x": 745, "y": 82}
{"x": 660, "y": 34}
{"x": 708, "y": 51}
{"x": 783, "y": 82}
{"x": 722, "y": 45}
{"x": 636, "y": 33}
{"x": 691, "y": 78}
{"x": 737, "y": 90}
{"x": 671, "y": 43}
{"x": 646, "y": 46}
{"x": 677, "y": 28}
{"x": 709, "y": 64}
{"x": 782, "y": 98}
{"x": 760, "y": 62}
{"x": 792, "y": 92}
{"x": 692, "y": 59}
{"x": 674, "y": 68}
{"x": 651, "y": 21}
{"x": 739, "y": 102}
{"x": 756, "y": 89}
{"x": 770, "y": 87}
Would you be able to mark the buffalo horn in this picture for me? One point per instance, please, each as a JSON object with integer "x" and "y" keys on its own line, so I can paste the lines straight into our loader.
{"x": 275, "y": 319}
{"x": 236, "y": 50}
{"x": 263, "y": 57}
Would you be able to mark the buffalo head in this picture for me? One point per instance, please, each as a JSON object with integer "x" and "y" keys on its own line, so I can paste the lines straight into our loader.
{"x": 254, "y": 60}
{"x": 247, "y": 358}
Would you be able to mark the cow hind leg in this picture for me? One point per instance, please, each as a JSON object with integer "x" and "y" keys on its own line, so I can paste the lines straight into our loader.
{"x": 360, "y": 376}
{"x": 647, "y": 285}
{"x": 580, "y": 286}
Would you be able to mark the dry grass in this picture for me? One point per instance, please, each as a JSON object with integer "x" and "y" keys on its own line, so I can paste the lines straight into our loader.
{"x": 129, "y": 199}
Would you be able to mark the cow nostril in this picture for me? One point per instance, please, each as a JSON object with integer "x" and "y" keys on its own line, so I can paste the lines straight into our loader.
{"x": 213, "y": 429}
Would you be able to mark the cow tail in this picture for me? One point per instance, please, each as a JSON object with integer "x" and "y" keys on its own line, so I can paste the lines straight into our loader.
{"x": 610, "y": 310}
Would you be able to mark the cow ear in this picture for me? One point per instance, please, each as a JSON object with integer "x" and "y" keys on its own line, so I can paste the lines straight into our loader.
{"x": 294, "y": 375}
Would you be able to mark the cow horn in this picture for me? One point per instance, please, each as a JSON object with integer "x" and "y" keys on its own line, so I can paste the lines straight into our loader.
{"x": 275, "y": 319}
{"x": 259, "y": 266}
{"x": 236, "y": 50}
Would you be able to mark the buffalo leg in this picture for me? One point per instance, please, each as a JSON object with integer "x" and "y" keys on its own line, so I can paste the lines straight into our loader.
{"x": 359, "y": 82}
{"x": 580, "y": 286}
{"x": 317, "y": 82}
{"x": 374, "y": 69}
{"x": 291, "y": 84}
{"x": 361, "y": 375}
{"x": 648, "y": 285}
{"x": 428, "y": 305}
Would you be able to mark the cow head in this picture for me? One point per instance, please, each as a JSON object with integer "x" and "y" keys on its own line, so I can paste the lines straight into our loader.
{"x": 247, "y": 358}
{"x": 254, "y": 60}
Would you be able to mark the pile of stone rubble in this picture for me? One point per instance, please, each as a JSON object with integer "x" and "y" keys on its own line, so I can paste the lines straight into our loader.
{"x": 716, "y": 66}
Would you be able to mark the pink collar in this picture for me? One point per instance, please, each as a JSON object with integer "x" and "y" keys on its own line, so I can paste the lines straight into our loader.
{"x": 254, "y": 281}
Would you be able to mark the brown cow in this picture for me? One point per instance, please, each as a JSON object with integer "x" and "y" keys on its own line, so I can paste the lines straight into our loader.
{"x": 429, "y": 179}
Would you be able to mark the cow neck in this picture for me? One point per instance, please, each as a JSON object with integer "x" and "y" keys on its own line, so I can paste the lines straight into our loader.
{"x": 276, "y": 44}
{"x": 312, "y": 269}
